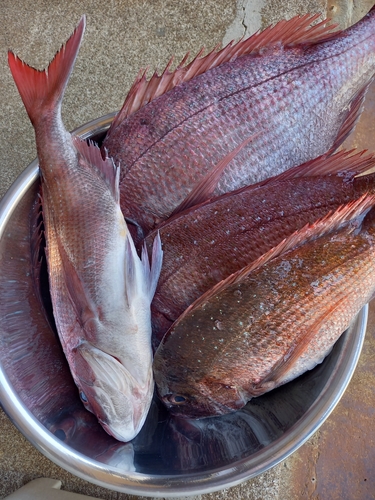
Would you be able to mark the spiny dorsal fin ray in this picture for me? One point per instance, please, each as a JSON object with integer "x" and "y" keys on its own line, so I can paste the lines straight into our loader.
{"x": 36, "y": 246}
{"x": 297, "y": 30}
{"x": 44, "y": 89}
{"x": 344, "y": 162}
{"x": 331, "y": 222}
{"x": 91, "y": 154}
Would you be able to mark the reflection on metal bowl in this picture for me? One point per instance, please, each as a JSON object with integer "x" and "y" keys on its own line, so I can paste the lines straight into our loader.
{"x": 171, "y": 456}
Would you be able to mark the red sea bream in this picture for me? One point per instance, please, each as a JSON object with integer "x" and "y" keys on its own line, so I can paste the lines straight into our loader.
{"x": 293, "y": 92}
{"x": 271, "y": 321}
{"x": 100, "y": 289}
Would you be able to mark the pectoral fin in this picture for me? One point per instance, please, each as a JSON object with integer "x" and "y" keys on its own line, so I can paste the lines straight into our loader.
{"x": 84, "y": 307}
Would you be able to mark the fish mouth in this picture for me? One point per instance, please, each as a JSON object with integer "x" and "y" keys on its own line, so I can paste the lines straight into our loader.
{"x": 189, "y": 407}
{"x": 109, "y": 430}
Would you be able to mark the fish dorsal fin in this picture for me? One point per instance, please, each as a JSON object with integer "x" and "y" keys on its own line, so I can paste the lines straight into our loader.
{"x": 44, "y": 89}
{"x": 297, "y": 30}
{"x": 354, "y": 112}
{"x": 329, "y": 223}
{"x": 206, "y": 186}
{"x": 348, "y": 163}
{"x": 91, "y": 154}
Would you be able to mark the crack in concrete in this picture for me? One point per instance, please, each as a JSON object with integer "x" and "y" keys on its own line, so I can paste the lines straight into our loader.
{"x": 244, "y": 17}
{"x": 236, "y": 29}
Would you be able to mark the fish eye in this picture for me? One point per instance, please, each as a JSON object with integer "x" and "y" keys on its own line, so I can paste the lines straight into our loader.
{"x": 83, "y": 397}
{"x": 176, "y": 399}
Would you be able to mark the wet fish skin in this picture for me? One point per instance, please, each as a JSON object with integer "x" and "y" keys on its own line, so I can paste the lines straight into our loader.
{"x": 248, "y": 337}
{"x": 100, "y": 289}
{"x": 207, "y": 243}
{"x": 294, "y": 100}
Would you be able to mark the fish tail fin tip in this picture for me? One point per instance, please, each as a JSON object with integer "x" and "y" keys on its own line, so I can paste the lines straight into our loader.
{"x": 44, "y": 89}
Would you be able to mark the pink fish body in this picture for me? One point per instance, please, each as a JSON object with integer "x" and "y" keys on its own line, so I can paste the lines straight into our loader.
{"x": 296, "y": 98}
{"x": 100, "y": 289}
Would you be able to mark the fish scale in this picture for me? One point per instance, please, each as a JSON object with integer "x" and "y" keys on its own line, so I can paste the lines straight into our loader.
{"x": 294, "y": 101}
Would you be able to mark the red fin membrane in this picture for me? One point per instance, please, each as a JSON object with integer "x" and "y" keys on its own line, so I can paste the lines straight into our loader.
{"x": 332, "y": 222}
{"x": 355, "y": 111}
{"x": 91, "y": 155}
{"x": 297, "y": 30}
{"x": 36, "y": 246}
{"x": 45, "y": 88}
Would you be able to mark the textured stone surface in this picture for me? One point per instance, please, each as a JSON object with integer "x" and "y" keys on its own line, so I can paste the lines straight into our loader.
{"x": 121, "y": 37}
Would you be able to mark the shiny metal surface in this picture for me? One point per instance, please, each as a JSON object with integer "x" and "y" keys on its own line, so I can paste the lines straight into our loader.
{"x": 170, "y": 457}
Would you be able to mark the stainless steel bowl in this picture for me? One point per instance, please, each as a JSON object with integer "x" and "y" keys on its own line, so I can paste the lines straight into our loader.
{"x": 170, "y": 457}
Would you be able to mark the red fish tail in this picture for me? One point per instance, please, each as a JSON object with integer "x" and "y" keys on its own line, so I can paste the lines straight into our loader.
{"x": 42, "y": 91}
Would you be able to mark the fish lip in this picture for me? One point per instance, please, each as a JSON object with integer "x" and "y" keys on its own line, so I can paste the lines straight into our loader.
{"x": 111, "y": 432}
{"x": 192, "y": 411}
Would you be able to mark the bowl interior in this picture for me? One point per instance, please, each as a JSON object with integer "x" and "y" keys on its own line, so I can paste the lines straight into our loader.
{"x": 170, "y": 455}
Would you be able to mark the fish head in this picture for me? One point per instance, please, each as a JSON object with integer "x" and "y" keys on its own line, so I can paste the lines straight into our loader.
{"x": 198, "y": 398}
{"x": 109, "y": 390}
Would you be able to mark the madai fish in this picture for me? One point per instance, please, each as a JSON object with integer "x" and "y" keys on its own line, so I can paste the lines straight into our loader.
{"x": 100, "y": 289}
{"x": 271, "y": 321}
{"x": 293, "y": 91}
{"x": 206, "y": 243}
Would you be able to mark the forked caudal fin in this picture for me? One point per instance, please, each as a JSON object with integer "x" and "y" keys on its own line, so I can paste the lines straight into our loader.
{"x": 43, "y": 90}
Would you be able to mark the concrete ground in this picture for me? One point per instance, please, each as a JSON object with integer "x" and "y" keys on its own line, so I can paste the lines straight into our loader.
{"x": 338, "y": 462}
